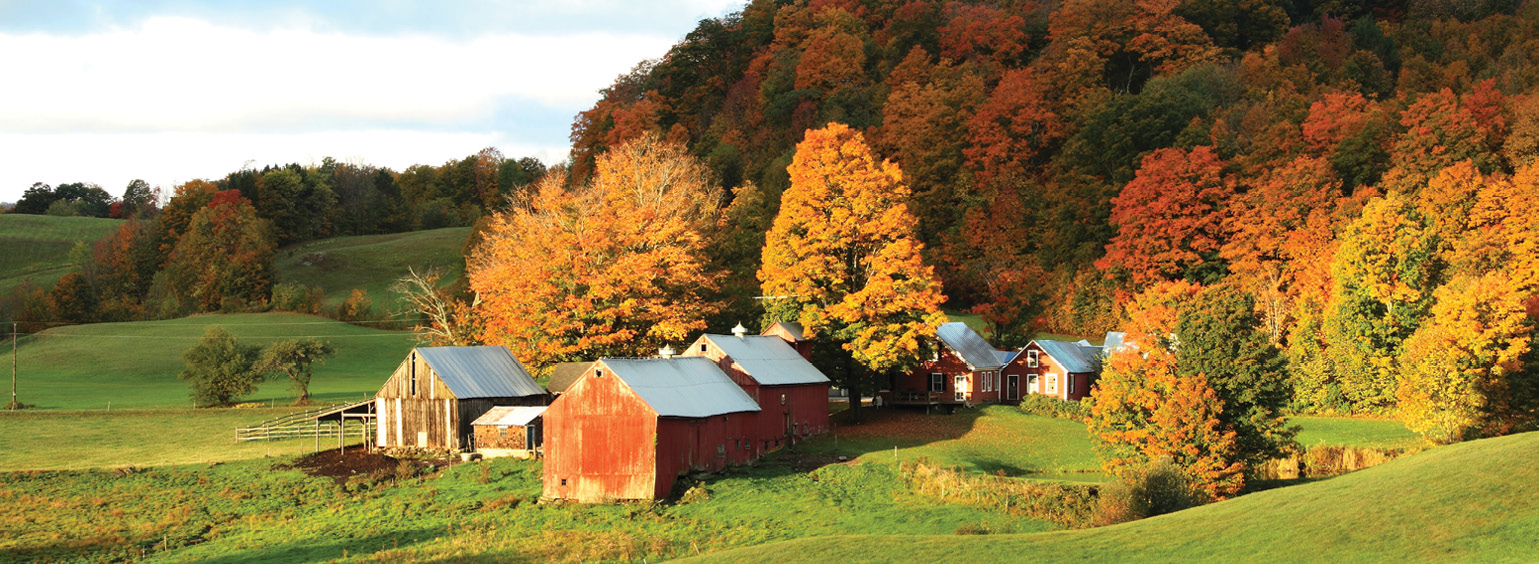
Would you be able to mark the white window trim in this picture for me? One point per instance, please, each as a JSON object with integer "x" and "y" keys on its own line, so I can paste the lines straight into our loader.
{"x": 1052, "y": 383}
{"x": 1031, "y": 359}
{"x": 933, "y": 380}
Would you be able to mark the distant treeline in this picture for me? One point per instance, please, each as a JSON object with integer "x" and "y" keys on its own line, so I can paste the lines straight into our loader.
{"x": 210, "y": 247}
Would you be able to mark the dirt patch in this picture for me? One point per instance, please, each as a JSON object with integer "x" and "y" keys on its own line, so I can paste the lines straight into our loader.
{"x": 804, "y": 462}
{"x": 902, "y": 423}
{"x": 342, "y": 466}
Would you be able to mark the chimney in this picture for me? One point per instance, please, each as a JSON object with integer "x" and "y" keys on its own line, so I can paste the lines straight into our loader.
{"x": 666, "y": 352}
{"x": 739, "y": 331}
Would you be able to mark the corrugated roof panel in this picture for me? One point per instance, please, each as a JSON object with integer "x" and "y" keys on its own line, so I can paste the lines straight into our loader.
{"x": 505, "y": 416}
{"x": 968, "y": 344}
{"x": 480, "y": 372}
{"x": 1114, "y": 341}
{"x": 1073, "y": 356}
{"x": 1005, "y": 356}
{"x": 768, "y": 359}
{"x": 681, "y": 386}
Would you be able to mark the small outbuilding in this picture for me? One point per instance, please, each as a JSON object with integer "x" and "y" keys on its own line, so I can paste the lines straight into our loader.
{"x": 964, "y": 369}
{"x": 437, "y": 392}
{"x": 509, "y": 431}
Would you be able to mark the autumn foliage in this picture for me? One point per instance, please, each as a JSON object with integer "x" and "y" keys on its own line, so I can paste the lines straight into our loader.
{"x": 611, "y": 267}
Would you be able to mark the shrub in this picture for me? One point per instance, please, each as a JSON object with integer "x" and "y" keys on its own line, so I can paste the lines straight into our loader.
{"x": 220, "y": 368}
{"x": 297, "y": 298}
{"x": 357, "y": 307}
{"x": 1156, "y": 489}
{"x": 1048, "y": 406}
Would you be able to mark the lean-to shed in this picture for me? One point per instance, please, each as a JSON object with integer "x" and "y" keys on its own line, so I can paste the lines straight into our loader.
{"x": 437, "y": 392}
{"x": 628, "y": 428}
{"x": 509, "y": 431}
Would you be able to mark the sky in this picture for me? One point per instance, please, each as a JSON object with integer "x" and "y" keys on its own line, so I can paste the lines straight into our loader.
{"x": 169, "y": 91}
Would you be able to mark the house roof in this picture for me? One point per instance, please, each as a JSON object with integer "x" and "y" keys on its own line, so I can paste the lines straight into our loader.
{"x": 563, "y": 374}
{"x": 1005, "y": 356}
{"x": 480, "y": 372}
{"x": 768, "y": 359}
{"x": 1114, "y": 340}
{"x": 1074, "y": 357}
{"x": 968, "y": 344}
{"x": 791, "y": 328}
{"x": 503, "y": 416}
{"x": 681, "y": 386}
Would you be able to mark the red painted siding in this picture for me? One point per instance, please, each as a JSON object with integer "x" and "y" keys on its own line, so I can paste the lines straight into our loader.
{"x": 1048, "y": 369}
{"x": 600, "y": 443}
{"x": 950, "y": 366}
{"x": 803, "y": 413}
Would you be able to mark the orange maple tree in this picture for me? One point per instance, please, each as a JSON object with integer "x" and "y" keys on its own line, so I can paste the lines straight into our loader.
{"x": 613, "y": 267}
{"x": 1170, "y": 217}
{"x": 843, "y": 257}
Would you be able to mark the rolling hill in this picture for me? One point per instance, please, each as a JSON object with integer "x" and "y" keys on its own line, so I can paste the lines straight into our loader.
{"x": 371, "y": 262}
{"x": 37, "y": 247}
{"x": 136, "y": 364}
{"x": 1469, "y": 502}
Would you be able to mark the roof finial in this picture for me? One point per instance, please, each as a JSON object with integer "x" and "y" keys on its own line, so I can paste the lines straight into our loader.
{"x": 740, "y": 330}
{"x": 666, "y": 352}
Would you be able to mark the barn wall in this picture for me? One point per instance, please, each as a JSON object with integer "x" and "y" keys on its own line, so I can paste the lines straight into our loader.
{"x": 600, "y": 443}
{"x": 493, "y": 436}
{"x": 1046, "y": 366}
{"x": 948, "y": 364}
{"x": 702, "y": 444}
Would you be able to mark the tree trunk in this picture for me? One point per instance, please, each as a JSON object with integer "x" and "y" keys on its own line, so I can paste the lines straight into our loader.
{"x": 852, "y": 384}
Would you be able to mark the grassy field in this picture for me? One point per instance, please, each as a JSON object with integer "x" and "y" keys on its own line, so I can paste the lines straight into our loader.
{"x": 31, "y": 440}
{"x": 1470, "y": 502}
{"x": 37, "y": 247}
{"x": 997, "y": 439}
{"x": 371, "y": 262}
{"x": 257, "y": 511}
{"x": 135, "y": 365}
{"x": 1354, "y": 432}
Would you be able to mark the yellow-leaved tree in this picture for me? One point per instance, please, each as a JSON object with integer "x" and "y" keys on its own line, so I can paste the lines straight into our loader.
{"x": 612, "y": 267}
{"x": 843, "y": 258}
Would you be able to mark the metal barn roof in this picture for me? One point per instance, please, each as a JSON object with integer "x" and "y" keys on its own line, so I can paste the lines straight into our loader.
{"x": 504, "y": 416}
{"x": 681, "y": 386}
{"x": 1114, "y": 340}
{"x": 1073, "y": 356}
{"x": 1005, "y": 356}
{"x": 768, "y": 359}
{"x": 563, "y": 374}
{"x": 968, "y": 344}
{"x": 480, "y": 372}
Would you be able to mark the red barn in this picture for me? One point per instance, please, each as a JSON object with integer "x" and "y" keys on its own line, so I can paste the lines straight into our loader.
{"x": 964, "y": 370}
{"x": 791, "y": 393}
{"x": 1059, "y": 369}
{"x": 627, "y": 428}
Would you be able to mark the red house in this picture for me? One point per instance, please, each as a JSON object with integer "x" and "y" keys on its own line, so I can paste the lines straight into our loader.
{"x": 963, "y": 371}
{"x": 791, "y": 393}
{"x": 627, "y": 428}
{"x": 1059, "y": 369}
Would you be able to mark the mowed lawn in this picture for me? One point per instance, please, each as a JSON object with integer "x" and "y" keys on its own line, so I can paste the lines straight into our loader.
{"x": 62, "y": 440}
{"x": 135, "y": 365}
{"x": 996, "y": 439}
{"x": 1354, "y": 432}
{"x": 37, "y": 247}
{"x": 1469, "y": 502}
{"x": 372, "y": 263}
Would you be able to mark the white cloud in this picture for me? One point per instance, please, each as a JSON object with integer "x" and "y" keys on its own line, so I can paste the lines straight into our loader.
{"x": 175, "y": 74}
{"x": 174, "y": 98}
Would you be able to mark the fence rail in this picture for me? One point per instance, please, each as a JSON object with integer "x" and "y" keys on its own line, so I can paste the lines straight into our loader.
{"x": 300, "y": 424}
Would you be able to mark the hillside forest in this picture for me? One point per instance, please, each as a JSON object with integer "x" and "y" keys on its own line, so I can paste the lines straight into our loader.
{"x": 1338, "y": 192}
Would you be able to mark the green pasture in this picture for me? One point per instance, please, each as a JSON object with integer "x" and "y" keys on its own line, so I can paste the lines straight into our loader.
{"x": 995, "y": 439}
{"x": 1354, "y": 432}
{"x": 372, "y": 263}
{"x": 135, "y": 365}
{"x": 59, "y": 440}
{"x": 37, "y": 247}
{"x": 1470, "y": 502}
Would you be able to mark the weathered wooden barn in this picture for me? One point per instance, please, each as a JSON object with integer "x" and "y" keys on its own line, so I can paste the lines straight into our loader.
{"x": 563, "y": 374}
{"x": 437, "y": 392}
{"x": 964, "y": 369}
{"x": 791, "y": 393}
{"x": 629, "y": 427}
{"x": 509, "y": 431}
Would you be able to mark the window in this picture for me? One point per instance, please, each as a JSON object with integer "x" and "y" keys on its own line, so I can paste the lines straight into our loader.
{"x": 1052, "y": 383}
{"x": 1031, "y": 383}
{"x": 598, "y": 372}
{"x": 563, "y": 481}
{"x": 1068, "y": 380}
{"x": 782, "y": 399}
{"x": 1031, "y": 359}
{"x": 721, "y": 451}
{"x": 704, "y": 347}
{"x": 937, "y": 382}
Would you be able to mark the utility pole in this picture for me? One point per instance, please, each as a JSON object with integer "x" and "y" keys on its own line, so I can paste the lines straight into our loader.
{"x": 14, "y": 336}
